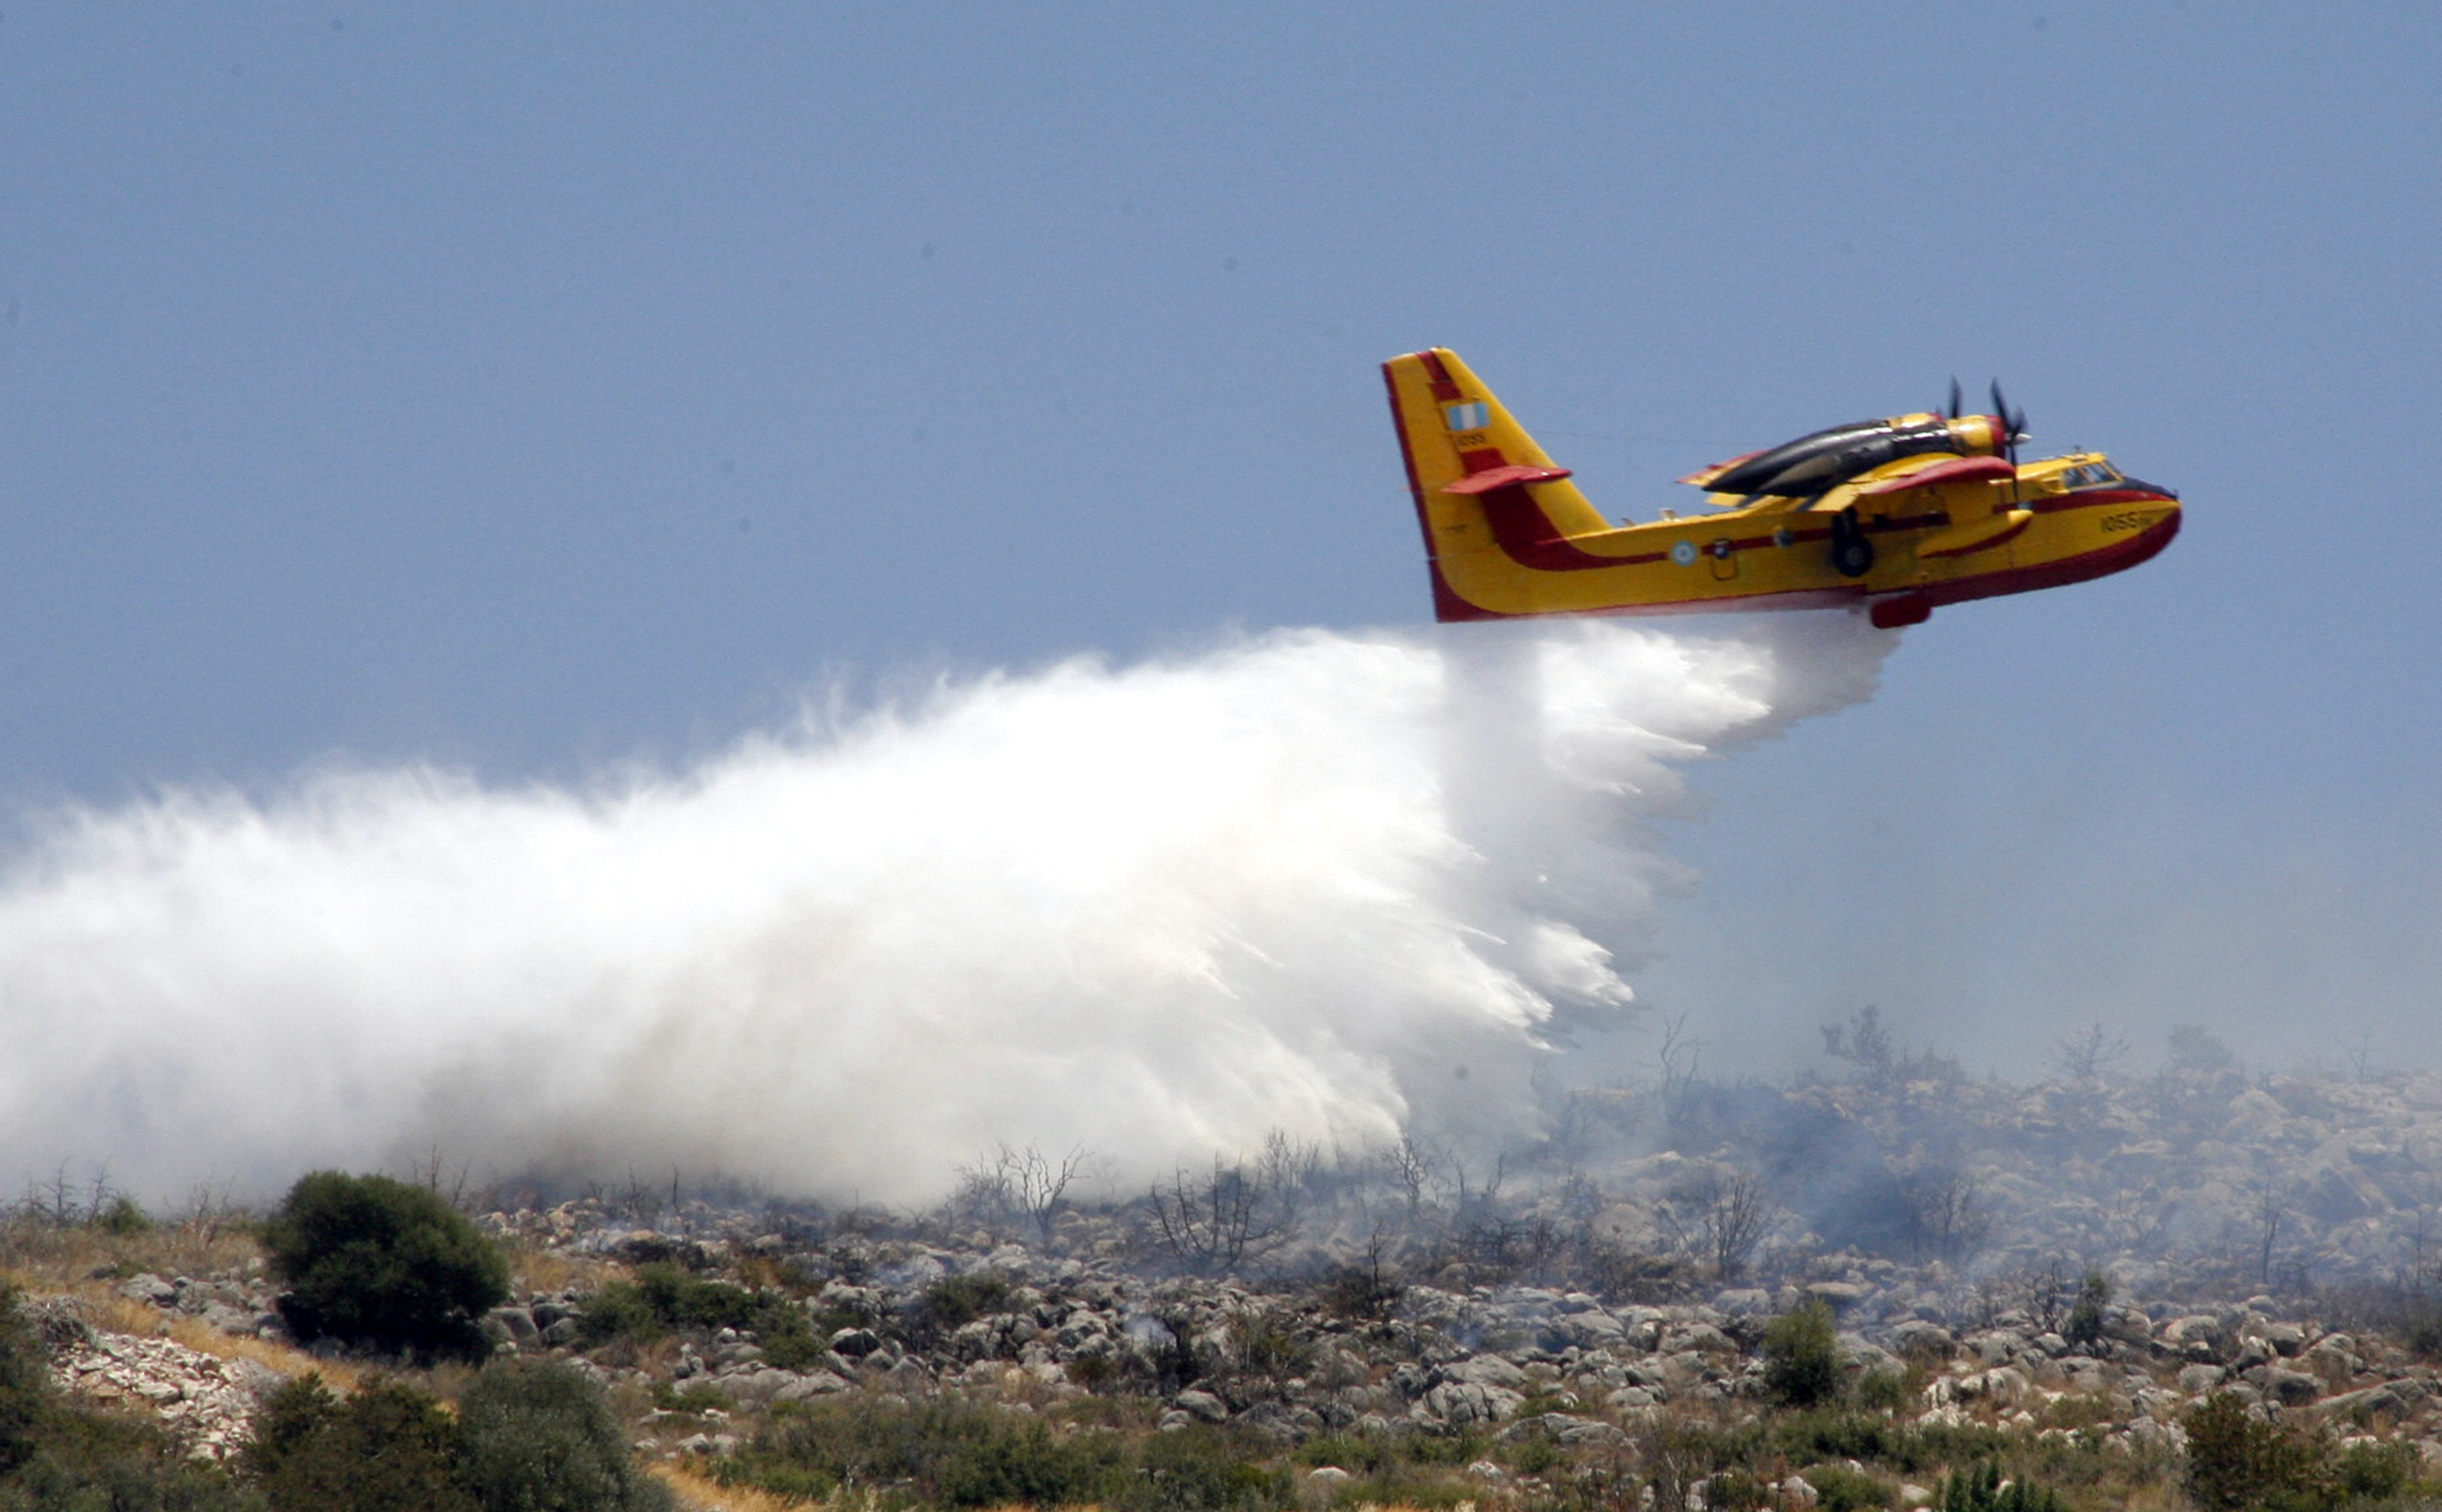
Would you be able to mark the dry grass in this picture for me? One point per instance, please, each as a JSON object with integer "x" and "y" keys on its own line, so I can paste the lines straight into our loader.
{"x": 44, "y": 1257}
{"x": 700, "y": 1492}
{"x": 551, "y": 1270}
{"x": 289, "y": 1361}
{"x": 703, "y": 1494}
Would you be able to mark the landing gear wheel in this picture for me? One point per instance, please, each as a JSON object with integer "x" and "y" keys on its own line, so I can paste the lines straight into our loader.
{"x": 1852, "y": 555}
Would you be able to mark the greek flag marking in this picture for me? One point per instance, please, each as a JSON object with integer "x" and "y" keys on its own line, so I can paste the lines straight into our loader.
{"x": 1467, "y": 416}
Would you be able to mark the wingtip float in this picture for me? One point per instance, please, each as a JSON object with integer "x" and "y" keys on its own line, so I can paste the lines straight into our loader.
{"x": 1897, "y": 516}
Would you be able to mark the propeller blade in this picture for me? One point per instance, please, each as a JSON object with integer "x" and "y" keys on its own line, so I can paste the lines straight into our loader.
{"x": 1957, "y": 399}
{"x": 2013, "y": 425}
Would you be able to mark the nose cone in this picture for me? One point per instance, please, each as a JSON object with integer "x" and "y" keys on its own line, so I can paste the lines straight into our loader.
{"x": 2149, "y": 522}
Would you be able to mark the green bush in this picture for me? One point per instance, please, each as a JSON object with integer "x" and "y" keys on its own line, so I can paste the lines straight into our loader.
{"x": 663, "y": 1298}
{"x": 25, "y": 1387}
{"x": 539, "y": 1436}
{"x": 387, "y": 1448}
{"x": 956, "y": 1452}
{"x": 1738, "y": 1491}
{"x": 374, "y": 1261}
{"x": 125, "y": 1218}
{"x": 1980, "y": 1489}
{"x": 887, "y": 1441}
{"x": 955, "y": 1300}
{"x": 1801, "y": 1355}
{"x": 2239, "y": 1463}
{"x": 2375, "y": 1472}
{"x": 1882, "y": 1391}
{"x": 1199, "y": 1469}
{"x": 95, "y": 1462}
{"x": 1838, "y": 1489}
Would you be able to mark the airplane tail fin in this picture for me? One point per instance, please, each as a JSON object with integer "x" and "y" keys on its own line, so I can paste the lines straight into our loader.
{"x": 1480, "y": 482}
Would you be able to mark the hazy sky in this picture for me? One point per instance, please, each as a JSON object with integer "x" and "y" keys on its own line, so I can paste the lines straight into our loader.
{"x": 538, "y": 388}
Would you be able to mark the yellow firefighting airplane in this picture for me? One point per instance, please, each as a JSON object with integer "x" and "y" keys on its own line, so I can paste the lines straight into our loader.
{"x": 1899, "y": 515}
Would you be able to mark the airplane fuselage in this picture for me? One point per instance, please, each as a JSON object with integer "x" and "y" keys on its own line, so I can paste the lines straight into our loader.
{"x": 1907, "y": 528}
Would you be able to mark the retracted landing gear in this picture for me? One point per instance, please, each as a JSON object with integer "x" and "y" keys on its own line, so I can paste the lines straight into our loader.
{"x": 1852, "y": 555}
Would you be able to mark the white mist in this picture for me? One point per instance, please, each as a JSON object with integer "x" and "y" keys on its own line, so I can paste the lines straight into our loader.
{"x": 1340, "y": 886}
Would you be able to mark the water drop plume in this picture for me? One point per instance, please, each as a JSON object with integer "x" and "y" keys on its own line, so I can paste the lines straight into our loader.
{"x": 1341, "y": 886}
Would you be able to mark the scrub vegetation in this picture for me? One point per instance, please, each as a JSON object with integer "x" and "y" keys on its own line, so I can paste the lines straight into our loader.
{"x": 1831, "y": 1305}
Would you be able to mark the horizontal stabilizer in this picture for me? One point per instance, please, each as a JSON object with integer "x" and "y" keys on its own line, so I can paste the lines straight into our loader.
{"x": 1491, "y": 477}
{"x": 1704, "y": 475}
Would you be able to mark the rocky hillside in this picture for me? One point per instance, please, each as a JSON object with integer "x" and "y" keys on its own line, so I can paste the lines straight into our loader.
{"x": 2054, "y": 1279}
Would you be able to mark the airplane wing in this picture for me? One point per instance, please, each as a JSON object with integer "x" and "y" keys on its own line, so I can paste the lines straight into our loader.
{"x": 1947, "y": 471}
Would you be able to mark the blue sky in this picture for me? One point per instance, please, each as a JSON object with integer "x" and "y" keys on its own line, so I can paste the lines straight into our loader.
{"x": 532, "y": 388}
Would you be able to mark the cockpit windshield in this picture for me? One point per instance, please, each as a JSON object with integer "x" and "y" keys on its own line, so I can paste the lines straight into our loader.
{"x": 2089, "y": 475}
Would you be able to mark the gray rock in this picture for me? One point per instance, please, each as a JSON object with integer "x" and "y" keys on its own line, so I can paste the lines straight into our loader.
{"x": 1839, "y": 1295}
{"x": 855, "y": 1343}
{"x": 2291, "y": 1387}
{"x": 1281, "y": 1422}
{"x": 810, "y": 1385}
{"x": 1460, "y": 1403}
{"x": 1203, "y": 1406}
{"x": 1486, "y": 1370}
{"x": 1704, "y": 1337}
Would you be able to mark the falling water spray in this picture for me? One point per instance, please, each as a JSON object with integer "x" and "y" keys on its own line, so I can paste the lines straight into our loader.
{"x": 1341, "y": 886}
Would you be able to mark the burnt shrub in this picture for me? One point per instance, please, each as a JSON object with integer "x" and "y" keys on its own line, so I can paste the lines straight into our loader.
{"x": 374, "y": 1261}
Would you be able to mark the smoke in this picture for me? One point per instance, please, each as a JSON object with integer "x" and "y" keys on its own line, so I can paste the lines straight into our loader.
{"x": 1340, "y": 886}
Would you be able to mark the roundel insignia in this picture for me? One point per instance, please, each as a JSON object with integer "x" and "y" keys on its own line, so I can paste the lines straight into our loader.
{"x": 1684, "y": 553}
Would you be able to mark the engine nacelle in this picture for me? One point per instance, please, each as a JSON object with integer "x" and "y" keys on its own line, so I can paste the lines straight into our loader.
{"x": 1814, "y": 463}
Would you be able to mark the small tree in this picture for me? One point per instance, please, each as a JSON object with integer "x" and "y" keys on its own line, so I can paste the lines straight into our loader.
{"x": 1212, "y": 1226}
{"x": 2084, "y": 1325}
{"x": 2089, "y": 1054}
{"x": 1726, "y": 1218}
{"x": 378, "y": 1261}
{"x": 1801, "y": 1355}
